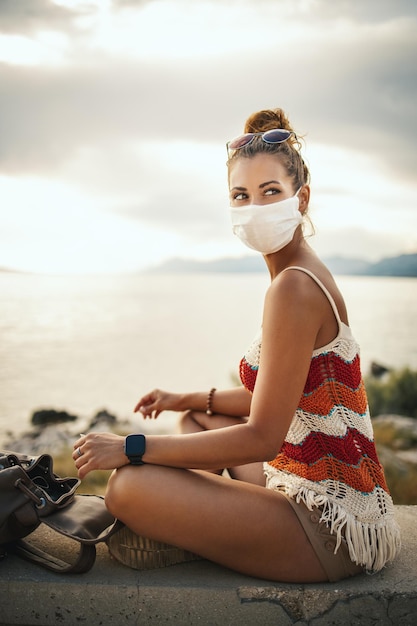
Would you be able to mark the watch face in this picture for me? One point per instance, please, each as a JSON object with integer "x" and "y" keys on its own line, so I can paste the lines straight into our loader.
{"x": 135, "y": 445}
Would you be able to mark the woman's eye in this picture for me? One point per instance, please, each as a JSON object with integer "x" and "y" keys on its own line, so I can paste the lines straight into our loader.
{"x": 272, "y": 192}
{"x": 239, "y": 196}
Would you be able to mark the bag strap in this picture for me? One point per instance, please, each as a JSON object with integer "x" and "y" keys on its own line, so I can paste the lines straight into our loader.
{"x": 84, "y": 562}
{"x": 50, "y": 500}
{"x": 85, "y": 519}
{"x": 86, "y": 522}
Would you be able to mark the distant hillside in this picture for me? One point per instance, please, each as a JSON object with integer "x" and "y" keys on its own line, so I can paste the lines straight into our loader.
{"x": 403, "y": 265}
{"x": 345, "y": 265}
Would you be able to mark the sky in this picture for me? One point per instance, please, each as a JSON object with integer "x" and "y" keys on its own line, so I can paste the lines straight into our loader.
{"x": 114, "y": 116}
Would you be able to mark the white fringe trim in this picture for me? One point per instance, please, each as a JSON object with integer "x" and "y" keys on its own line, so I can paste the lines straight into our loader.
{"x": 371, "y": 545}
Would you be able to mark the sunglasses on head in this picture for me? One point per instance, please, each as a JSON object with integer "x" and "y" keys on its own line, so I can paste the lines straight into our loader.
{"x": 275, "y": 135}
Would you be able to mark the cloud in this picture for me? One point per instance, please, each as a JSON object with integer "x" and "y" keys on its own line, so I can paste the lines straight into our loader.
{"x": 369, "y": 10}
{"x": 121, "y": 111}
{"x": 131, "y": 3}
{"x": 372, "y": 10}
{"x": 362, "y": 243}
{"x": 31, "y": 16}
{"x": 355, "y": 87}
{"x": 365, "y": 99}
{"x": 174, "y": 185}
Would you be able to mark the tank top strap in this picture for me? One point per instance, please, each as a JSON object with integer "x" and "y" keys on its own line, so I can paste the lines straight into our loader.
{"x": 322, "y": 287}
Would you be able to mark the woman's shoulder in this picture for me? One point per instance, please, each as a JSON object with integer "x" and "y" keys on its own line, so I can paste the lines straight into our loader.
{"x": 307, "y": 269}
{"x": 300, "y": 280}
{"x": 293, "y": 292}
{"x": 311, "y": 283}
{"x": 305, "y": 285}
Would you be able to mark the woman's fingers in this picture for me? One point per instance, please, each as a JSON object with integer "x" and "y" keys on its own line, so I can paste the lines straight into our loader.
{"x": 98, "y": 451}
{"x": 151, "y": 405}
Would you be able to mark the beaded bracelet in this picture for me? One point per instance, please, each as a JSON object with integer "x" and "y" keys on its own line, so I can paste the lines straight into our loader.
{"x": 209, "y": 410}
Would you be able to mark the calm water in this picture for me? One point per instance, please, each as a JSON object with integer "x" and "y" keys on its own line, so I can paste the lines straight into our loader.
{"x": 86, "y": 343}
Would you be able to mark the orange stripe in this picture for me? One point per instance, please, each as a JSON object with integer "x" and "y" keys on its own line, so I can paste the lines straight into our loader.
{"x": 322, "y": 400}
{"x": 362, "y": 478}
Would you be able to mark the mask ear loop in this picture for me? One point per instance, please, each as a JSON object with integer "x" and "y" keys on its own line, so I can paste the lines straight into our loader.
{"x": 295, "y": 195}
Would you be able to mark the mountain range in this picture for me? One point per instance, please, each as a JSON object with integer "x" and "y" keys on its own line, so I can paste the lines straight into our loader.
{"x": 403, "y": 265}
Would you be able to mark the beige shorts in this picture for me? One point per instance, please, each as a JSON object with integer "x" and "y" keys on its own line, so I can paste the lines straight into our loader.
{"x": 337, "y": 566}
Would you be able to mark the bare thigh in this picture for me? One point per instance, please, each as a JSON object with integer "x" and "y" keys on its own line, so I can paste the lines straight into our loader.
{"x": 247, "y": 528}
{"x": 195, "y": 421}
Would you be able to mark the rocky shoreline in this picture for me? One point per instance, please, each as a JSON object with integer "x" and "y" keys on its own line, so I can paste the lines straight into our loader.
{"x": 54, "y": 432}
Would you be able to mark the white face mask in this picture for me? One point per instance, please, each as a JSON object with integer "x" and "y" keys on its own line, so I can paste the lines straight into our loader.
{"x": 268, "y": 227}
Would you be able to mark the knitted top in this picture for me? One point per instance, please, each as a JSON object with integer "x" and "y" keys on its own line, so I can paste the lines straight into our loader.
{"x": 328, "y": 458}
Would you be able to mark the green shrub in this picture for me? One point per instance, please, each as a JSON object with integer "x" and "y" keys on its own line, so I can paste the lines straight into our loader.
{"x": 396, "y": 393}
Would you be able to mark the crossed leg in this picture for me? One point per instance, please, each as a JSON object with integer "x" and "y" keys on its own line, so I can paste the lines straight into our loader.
{"x": 242, "y": 526}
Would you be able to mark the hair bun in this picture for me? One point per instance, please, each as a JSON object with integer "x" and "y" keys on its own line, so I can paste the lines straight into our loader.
{"x": 265, "y": 120}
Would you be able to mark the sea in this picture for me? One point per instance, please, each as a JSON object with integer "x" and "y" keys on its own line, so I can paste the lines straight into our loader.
{"x": 83, "y": 344}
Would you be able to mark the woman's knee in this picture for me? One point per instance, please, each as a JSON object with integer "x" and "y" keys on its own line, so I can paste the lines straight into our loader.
{"x": 119, "y": 490}
{"x": 190, "y": 422}
{"x": 197, "y": 421}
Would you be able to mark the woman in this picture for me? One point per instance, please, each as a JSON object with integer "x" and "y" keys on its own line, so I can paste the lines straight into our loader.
{"x": 309, "y": 502}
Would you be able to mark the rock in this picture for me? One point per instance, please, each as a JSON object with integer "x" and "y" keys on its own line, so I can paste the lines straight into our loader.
{"x": 52, "y": 432}
{"x": 50, "y": 416}
{"x": 103, "y": 419}
{"x": 378, "y": 370}
{"x": 50, "y": 439}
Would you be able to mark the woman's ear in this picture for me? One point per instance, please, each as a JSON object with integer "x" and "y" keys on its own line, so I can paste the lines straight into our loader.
{"x": 304, "y": 195}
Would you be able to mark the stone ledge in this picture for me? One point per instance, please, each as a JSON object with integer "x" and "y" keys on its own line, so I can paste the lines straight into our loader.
{"x": 203, "y": 593}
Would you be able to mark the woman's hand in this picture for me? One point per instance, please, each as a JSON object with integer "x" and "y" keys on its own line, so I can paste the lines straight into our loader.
{"x": 99, "y": 451}
{"x": 153, "y": 403}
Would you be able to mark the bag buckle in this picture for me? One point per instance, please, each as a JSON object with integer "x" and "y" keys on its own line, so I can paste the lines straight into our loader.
{"x": 40, "y": 502}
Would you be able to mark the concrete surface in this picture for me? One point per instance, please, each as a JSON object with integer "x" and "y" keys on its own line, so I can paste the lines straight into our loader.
{"x": 203, "y": 593}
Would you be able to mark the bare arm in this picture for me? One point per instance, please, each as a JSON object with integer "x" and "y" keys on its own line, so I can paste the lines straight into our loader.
{"x": 293, "y": 316}
{"x": 292, "y": 320}
{"x": 233, "y": 402}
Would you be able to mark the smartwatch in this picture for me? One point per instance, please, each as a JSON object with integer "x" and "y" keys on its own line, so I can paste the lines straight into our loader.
{"x": 135, "y": 446}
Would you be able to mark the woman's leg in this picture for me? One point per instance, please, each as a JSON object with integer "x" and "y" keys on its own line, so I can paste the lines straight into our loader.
{"x": 244, "y": 527}
{"x": 194, "y": 422}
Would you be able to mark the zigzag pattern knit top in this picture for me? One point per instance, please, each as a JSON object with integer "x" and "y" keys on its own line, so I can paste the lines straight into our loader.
{"x": 328, "y": 458}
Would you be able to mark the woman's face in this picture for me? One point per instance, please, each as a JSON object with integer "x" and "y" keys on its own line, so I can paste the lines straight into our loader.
{"x": 261, "y": 179}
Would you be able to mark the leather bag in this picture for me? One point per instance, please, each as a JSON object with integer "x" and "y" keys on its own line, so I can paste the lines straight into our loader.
{"x": 31, "y": 495}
